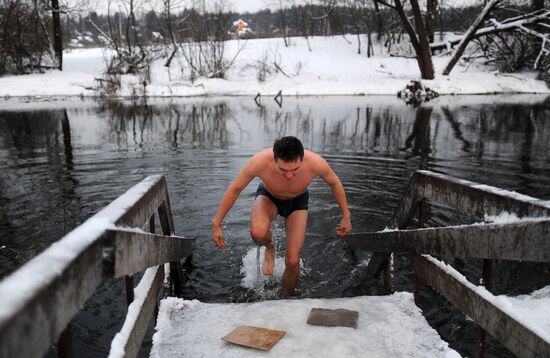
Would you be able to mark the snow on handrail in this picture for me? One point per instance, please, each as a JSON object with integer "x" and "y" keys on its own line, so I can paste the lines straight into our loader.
{"x": 41, "y": 297}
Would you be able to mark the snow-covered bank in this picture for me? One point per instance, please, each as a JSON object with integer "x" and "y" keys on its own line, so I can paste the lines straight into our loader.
{"x": 332, "y": 67}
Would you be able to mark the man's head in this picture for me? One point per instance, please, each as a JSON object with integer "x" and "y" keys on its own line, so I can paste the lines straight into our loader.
{"x": 288, "y": 153}
{"x": 288, "y": 149}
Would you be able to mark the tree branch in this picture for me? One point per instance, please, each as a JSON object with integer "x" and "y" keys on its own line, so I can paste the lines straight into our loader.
{"x": 469, "y": 36}
{"x": 535, "y": 18}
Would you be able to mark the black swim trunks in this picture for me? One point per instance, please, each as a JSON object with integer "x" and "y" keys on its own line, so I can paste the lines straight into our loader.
{"x": 285, "y": 207}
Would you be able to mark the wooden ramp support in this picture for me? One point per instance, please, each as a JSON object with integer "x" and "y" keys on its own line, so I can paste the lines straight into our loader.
{"x": 40, "y": 299}
{"x": 521, "y": 241}
{"x": 527, "y": 239}
{"x": 126, "y": 252}
{"x": 517, "y": 337}
{"x": 128, "y": 341}
{"x": 464, "y": 196}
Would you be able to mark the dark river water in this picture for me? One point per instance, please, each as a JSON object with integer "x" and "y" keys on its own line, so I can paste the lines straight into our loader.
{"x": 62, "y": 161}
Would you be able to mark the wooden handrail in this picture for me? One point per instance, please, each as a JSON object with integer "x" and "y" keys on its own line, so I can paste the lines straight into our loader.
{"x": 526, "y": 239}
{"x": 123, "y": 251}
{"x": 128, "y": 341}
{"x": 479, "y": 304}
{"x": 466, "y": 197}
{"x": 140, "y": 203}
{"x": 520, "y": 241}
{"x": 476, "y": 199}
{"x": 41, "y": 297}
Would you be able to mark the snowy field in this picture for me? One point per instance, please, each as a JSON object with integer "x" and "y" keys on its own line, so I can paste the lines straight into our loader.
{"x": 332, "y": 67}
{"x": 388, "y": 326}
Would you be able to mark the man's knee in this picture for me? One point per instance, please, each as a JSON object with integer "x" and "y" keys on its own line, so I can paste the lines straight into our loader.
{"x": 292, "y": 262}
{"x": 259, "y": 232}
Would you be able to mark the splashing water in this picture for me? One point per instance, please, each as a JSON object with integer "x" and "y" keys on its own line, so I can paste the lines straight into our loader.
{"x": 266, "y": 286}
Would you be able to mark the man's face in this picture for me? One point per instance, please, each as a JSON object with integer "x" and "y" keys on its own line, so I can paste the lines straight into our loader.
{"x": 288, "y": 169}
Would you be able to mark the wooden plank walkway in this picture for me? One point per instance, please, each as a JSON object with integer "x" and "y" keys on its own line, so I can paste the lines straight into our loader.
{"x": 388, "y": 326}
{"x": 40, "y": 299}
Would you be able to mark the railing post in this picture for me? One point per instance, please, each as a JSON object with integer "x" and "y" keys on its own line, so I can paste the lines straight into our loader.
{"x": 422, "y": 218}
{"x": 152, "y": 224}
{"x": 167, "y": 224}
{"x": 64, "y": 343}
{"x": 152, "y": 231}
{"x": 390, "y": 273}
{"x": 129, "y": 282}
{"x": 486, "y": 276}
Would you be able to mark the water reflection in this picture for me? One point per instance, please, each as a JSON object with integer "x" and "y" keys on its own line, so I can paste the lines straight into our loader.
{"x": 62, "y": 164}
{"x": 38, "y": 188}
{"x": 420, "y": 133}
{"x": 46, "y": 152}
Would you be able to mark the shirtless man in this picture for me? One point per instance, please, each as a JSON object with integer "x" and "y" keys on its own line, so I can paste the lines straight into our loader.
{"x": 286, "y": 170}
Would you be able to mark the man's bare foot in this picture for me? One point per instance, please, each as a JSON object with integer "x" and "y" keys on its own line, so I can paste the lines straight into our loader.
{"x": 269, "y": 259}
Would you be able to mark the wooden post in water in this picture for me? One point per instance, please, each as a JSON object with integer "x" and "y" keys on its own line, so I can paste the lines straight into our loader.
{"x": 129, "y": 282}
{"x": 64, "y": 343}
{"x": 152, "y": 224}
{"x": 422, "y": 218}
{"x": 152, "y": 231}
{"x": 167, "y": 224}
{"x": 487, "y": 282}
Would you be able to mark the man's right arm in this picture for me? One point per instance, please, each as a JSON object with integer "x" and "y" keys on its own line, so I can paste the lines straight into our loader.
{"x": 231, "y": 194}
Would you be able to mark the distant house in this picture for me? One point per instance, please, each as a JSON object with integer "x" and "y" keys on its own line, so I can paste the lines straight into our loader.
{"x": 241, "y": 28}
{"x": 240, "y": 25}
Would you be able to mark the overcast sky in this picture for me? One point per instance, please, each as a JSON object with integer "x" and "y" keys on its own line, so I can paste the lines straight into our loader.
{"x": 236, "y": 5}
{"x": 248, "y": 5}
{"x": 100, "y": 6}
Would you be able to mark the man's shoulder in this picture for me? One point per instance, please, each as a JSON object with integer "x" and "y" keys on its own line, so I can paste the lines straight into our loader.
{"x": 317, "y": 164}
{"x": 263, "y": 155}
{"x": 260, "y": 160}
{"x": 314, "y": 158}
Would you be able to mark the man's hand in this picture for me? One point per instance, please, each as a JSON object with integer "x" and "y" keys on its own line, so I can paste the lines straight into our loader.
{"x": 217, "y": 236}
{"x": 344, "y": 227}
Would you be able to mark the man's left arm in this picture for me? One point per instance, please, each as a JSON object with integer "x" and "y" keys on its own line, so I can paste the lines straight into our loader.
{"x": 328, "y": 175}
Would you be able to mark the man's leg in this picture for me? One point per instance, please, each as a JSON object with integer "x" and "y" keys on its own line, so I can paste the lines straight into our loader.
{"x": 295, "y": 225}
{"x": 262, "y": 214}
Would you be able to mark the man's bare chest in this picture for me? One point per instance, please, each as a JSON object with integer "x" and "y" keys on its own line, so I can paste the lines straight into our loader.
{"x": 285, "y": 188}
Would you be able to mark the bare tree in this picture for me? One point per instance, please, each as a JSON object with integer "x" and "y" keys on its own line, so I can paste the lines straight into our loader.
{"x": 43, "y": 25}
{"x": 417, "y": 35}
{"x": 204, "y": 51}
{"x": 170, "y": 30}
{"x": 469, "y": 35}
{"x": 523, "y": 22}
{"x": 282, "y": 23}
{"x": 57, "y": 34}
{"x": 431, "y": 8}
{"x": 537, "y": 4}
{"x": 507, "y": 38}
{"x": 359, "y": 11}
{"x": 328, "y": 7}
{"x": 22, "y": 42}
{"x": 380, "y": 24}
{"x": 131, "y": 56}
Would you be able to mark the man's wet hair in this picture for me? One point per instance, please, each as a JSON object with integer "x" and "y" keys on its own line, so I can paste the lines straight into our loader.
{"x": 288, "y": 149}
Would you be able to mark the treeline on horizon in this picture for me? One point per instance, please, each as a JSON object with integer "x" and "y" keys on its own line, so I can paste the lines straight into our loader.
{"x": 308, "y": 20}
{"x": 33, "y": 34}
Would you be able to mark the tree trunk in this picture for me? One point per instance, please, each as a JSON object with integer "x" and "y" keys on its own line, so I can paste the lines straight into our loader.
{"x": 282, "y": 22}
{"x": 168, "y": 15}
{"x": 40, "y": 17}
{"x": 425, "y": 54}
{"x": 537, "y": 4}
{"x": 57, "y": 34}
{"x": 431, "y": 6}
{"x": 379, "y": 21}
{"x": 469, "y": 36}
{"x": 513, "y": 24}
{"x": 420, "y": 43}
